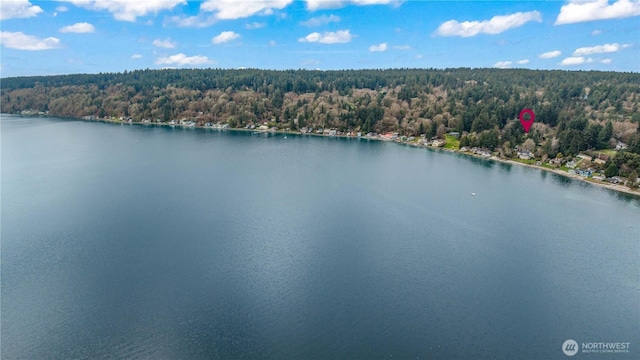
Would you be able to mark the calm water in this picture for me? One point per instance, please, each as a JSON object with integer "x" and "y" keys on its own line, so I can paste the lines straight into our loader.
{"x": 151, "y": 242}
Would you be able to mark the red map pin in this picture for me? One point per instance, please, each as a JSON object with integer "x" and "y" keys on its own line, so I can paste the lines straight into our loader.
{"x": 526, "y": 124}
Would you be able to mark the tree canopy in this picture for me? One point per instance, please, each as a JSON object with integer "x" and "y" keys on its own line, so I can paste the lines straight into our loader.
{"x": 574, "y": 110}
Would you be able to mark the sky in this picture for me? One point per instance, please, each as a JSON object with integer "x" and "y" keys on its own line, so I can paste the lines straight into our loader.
{"x": 92, "y": 36}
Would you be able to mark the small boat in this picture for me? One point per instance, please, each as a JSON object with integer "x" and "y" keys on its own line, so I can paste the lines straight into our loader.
{"x": 473, "y": 194}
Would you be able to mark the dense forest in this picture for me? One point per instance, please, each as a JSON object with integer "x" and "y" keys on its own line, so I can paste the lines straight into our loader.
{"x": 575, "y": 111}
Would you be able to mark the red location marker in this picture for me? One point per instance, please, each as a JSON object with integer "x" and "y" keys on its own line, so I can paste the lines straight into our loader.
{"x": 526, "y": 124}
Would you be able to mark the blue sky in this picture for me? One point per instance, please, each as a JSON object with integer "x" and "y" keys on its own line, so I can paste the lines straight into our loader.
{"x": 91, "y": 36}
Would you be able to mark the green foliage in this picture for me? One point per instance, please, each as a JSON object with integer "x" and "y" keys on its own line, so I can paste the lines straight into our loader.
{"x": 625, "y": 162}
{"x": 489, "y": 139}
{"x": 464, "y": 141}
{"x": 631, "y": 181}
{"x": 611, "y": 170}
{"x": 482, "y": 104}
{"x": 451, "y": 142}
{"x": 604, "y": 135}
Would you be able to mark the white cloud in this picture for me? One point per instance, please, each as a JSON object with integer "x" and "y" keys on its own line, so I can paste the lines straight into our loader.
{"x": 596, "y": 32}
{"x": 310, "y": 62}
{"x": 509, "y": 64}
{"x": 606, "y": 61}
{"x": 503, "y": 64}
{"x": 166, "y": 43}
{"x": 272, "y": 43}
{"x": 62, "y": 9}
{"x": 576, "y": 60}
{"x": 224, "y": 37}
{"x": 402, "y": 47}
{"x": 337, "y": 37}
{"x": 495, "y": 25}
{"x": 334, "y": 4}
{"x": 127, "y": 10}
{"x": 182, "y": 60}
{"x": 320, "y": 20}
{"x": 600, "y": 49}
{"x": 21, "y": 41}
{"x": 255, "y": 25}
{"x": 419, "y": 56}
{"x": 197, "y": 21}
{"x": 78, "y": 28}
{"x": 235, "y": 9}
{"x": 378, "y": 48}
{"x": 590, "y": 10}
{"x": 550, "y": 54}
{"x": 18, "y": 9}
{"x": 136, "y": 56}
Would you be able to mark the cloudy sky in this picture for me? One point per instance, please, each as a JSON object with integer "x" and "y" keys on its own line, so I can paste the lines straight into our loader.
{"x": 90, "y": 36}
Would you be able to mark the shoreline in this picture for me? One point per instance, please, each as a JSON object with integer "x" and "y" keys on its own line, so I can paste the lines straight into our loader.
{"x": 610, "y": 186}
{"x": 613, "y": 187}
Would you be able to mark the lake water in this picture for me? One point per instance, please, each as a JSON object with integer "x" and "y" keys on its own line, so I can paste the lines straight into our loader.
{"x": 123, "y": 241}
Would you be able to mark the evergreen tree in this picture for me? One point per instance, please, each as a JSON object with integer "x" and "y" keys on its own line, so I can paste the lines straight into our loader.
{"x": 605, "y": 135}
{"x": 611, "y": 170}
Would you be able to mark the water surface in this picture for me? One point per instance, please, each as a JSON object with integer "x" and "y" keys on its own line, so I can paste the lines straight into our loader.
{"x": 156, "y": 242}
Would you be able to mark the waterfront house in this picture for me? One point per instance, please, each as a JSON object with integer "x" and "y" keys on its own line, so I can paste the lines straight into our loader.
{"x": 437, "y": 143}
{"x": 386, "y": 136}
{"x": 525, "y": 154}
{"x": 584, "y": 173}
{"x": 455, "y": 134}
{"x": 584, "y": 157}
{"x": 482, "y": 152}
{"x": 555, "y": 162}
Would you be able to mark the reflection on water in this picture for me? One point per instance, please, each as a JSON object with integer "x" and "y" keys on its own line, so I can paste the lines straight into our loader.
{"x": 543, "y": 174}
{"x": 505, "y": 166}
{"x": 563, "y": 181}
{"x": 485, "y": 163}
{"x": 627, "y": 198}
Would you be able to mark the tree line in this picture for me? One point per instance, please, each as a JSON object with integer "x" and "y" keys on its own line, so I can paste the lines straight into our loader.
{"x": 575, "y": 111}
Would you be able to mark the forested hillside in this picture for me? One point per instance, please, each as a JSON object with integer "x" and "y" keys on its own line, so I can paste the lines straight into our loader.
{"x": 574, "y": 111}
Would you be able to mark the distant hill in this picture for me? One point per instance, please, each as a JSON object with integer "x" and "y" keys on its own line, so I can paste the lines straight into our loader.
{"x": 574, "y": 110}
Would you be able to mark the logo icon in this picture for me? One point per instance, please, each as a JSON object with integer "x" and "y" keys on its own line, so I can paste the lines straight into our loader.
{"x": 526, "y": 124}
{"x": 570, "y": 347}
